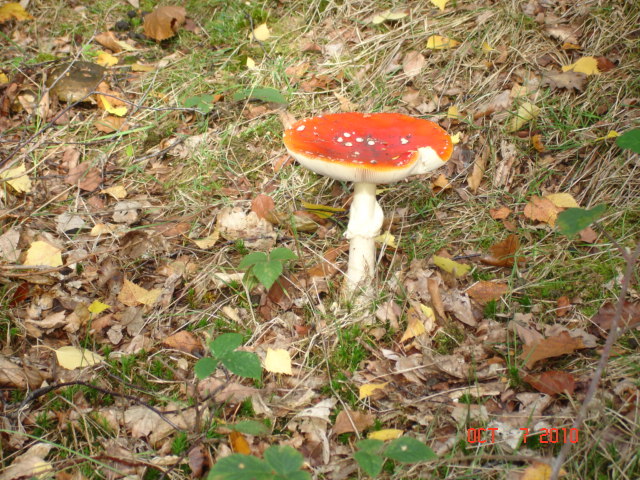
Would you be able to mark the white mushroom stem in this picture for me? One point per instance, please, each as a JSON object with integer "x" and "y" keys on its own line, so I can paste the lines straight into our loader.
{"x": 365, "y": 222}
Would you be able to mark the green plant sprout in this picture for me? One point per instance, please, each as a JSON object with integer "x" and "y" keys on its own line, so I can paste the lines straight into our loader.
{"x": 264, "y": 268}
{"x": 223, "y": 350}
{"x": 280, "y": 462}
{"x": 372, "y": 453}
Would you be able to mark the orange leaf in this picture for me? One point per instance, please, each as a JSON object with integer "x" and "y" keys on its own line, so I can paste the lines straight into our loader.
{"x": 239, "y": 444}
{"x": 499, "y": 213}
{"x": 484, "y": 291}
{"x": 163, "y": 22}
{"x": 502, "y": 254}
{"x": 552, "y": 382}
{"x": 541, "y": 210}
{"x": 557, "y": 346}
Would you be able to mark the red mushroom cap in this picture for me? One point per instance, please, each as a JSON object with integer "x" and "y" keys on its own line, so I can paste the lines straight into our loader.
{"x": 365, "y": 147}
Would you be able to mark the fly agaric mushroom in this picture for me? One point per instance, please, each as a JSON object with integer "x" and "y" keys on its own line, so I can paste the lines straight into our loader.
{"x": 367, "y": 149}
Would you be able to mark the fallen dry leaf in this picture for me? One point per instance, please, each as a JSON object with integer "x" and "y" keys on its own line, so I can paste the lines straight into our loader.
{"x": 261, "y": 33}
{"x": 484, "y": 291}
{"x": 117, "y": 191}
{"x": 110, "y": 41}
{"x": 552, "y": 382}
{"x": 568, "y": 80}
{"x": 502, "y": 254}
{"x": 352, "y": 421}
{"x": 43, "y": 253}
{"x": 586, "y": 65}
{"x": 13, "y": 11}
{"x": 368, "y": 389}
{"x": 451, "y": 266}
{"x": 415, "y": 325}
{"x": 389, "y": 15}
{"x": 132, "y": 294}
{"x": 540, "y": 471}
{"x": 9, "y": 245}
{"x": 386, "y": 434}
{"x": 437, "y": 42}
{"x": 278, "y": 361}
{"x": 526, "y": 112}
{"x": 184, "y": 341}
{"x": 541, "y": 209}
{"x": 109, "y": 124}
{"x": 30, "y": 464}
{"x": 72, "y": 358}
{"x": 588, "y": 235}
{"x": 84, "y": 176}
{"x": 562, "y": 200}
{"x": 164, "y": 22}
{"x": 239, "y": 443}
{"x": 412, "y": 63}
{"x": 563, "y": 306}
{"x": 550, "y": 347}
{"x": 440, "y": 183}
{"x": 500, "y": 213}
{"x": 16, "y": 177}
{"x": 630, "y": 316}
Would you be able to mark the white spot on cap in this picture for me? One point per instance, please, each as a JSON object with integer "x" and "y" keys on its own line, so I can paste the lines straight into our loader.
{"x": 359, "y": 139}
{"x": 373, "y": 162}
{"x": 347, "y": 134}
{"x": 300, "y": 128}
{"x": 340, "y": 139}
{"x": 404, "y": 141}
{"x": 370, "y": 142}
{"x": 348, "y": 144}
{"x": 356, "y": 153}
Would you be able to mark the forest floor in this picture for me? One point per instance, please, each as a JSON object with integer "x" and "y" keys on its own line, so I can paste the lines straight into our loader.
{"x": 124, "y": 218}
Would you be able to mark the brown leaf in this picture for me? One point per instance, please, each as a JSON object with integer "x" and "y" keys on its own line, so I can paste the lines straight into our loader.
{"x": 498, "y": 103}
{"x": 499, "y": 213}
{"x": 564, "y": 305}
{"x": 484, "y": 291}
{"x": 537, "y": 143}
{"x": 239, "y": 443}
{"x": 552, "y": 382}
{"x": 264, "y": 206}
{"x": 109, "y": 124}
{"x": 440, "y": 183}
{"x": 604, "y": 64}
{"x": 412, "y": 63}
{"x": 630, "y": 315}
{"x": 588, "y": 235}
{"x": 184, "y": 341}
{"x": 109, "y": 40}
{"x": 569, "y": 80}
{"x": 85, "y": 176}
{"x": 479, "y": 166}
{"x": 502, "y": 254}
{"x": 164, "y": 22}
{"x": 352, "y": 421}
{"x": 550, "y": 347}
{"x": 327, "y": 266}
{"x": 198, "y": 461}
{"x": 433, "y": 287}
{"x": 541, "y": 210}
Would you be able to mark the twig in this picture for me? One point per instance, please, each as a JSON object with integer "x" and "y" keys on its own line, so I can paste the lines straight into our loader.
{"x": 631, "y": 259}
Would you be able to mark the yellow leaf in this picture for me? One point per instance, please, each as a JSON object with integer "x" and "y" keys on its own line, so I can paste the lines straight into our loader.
{"x": 322, "y": 211}
{"x": 440, "y": 4}
{"x": 3, "y": 79}
{"x": 97, "y": 307}
{"x": 453, "y": 112}
{"x": 43, "y": 253}
{"x": 13, "y": 10}
{"x": 562, "y": 200}
{"x": 106, "y": 59}
{"x": 367, "y": 389}
{"x": 455, "y": 139}
{"x": 278, "y": 361}
{"x": 106, "y": 104}
{"x": 261, "y": 32}
{"x": 73, "y": 357}
{"x": 451, "y": 266}
{"x": 389, "y": 15}
{"x": 526, "y": 112}
{"x": 387, "y": 434}
{"x": 610, "y": 134}
{"x": 239, "y": 443}
{"x": 388, "y": 239}
{"x": 436, "y": 42}
{"x": 586, "y": 65}
{"x": 100, "y": 228}
{"x": 138, "y": 67}
{"x": 540, "y": 471}
{"x": 209, "y": 241}
{"x": 17, "y": 179}
{"x": 117, "y": 191}
{"x": 487, "y": 48}
{"x": 415, "y": 326}
{"x": 251, "y": 64}
{"x": 132, "y": 294}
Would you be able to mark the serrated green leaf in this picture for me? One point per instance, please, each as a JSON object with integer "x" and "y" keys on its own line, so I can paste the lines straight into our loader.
{"x": 201, "y": 102}
{"x": 370, "y": 445}
{"x": 245, "y": 364}
{"x": 252, "y": 259}
{"x": 224, "y": 344}
{"x": 283, "y": 459}
{"x": 572, "y": 220}
{"x": 240, "y": 467}
{"x": 282, "y": 254}
{"x": 630, "y": 140}
{"x": 267, "y": 273}
{"x": 205, "y": 367}
{"x": 298, "y": 475}
{"x": 369, "y": 462}
{"x": 250, "y": 427}
{"x": 265, "y": 94}
{"x": 409, "y": 450}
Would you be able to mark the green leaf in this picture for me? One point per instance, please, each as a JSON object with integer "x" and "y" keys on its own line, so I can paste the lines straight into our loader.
{"x": 224, "y": 344}
{"x": 267, "y": 273}
{"x": 250, "y": 427}
{"x": 205, "y": 367}
{"x": 201, "y": 102}
{"x": 370, "y": 445}
{"x": 572, "y": 220}
{"x": 297, "y": 475}
{"x": 240, "y": 467}
{"x": 369, "y": 462}
{"x": 252, "y": 259}
{"x": 282, "y": 254}
{"x": 265, "y": 94}
{"x": 245, "y": 364}
{"x": 630, "y": 140}
{"x": 283, "y": 459}
{"x": 409, "y": 450}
